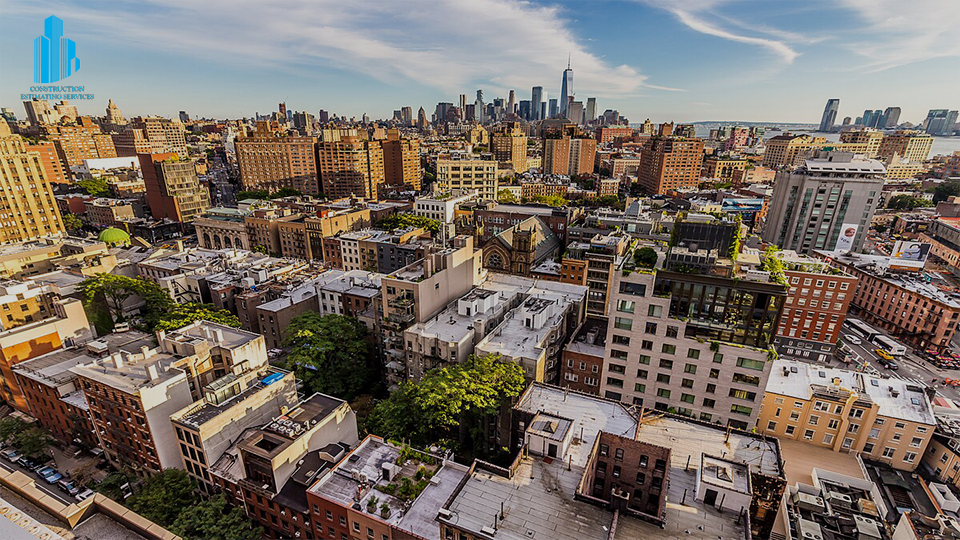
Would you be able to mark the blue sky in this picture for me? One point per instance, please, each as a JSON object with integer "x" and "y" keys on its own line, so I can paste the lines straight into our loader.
{"x": 682, "y": 60}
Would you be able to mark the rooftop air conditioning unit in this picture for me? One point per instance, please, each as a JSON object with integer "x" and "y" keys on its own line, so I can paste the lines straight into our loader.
{"x": 805, "y": 501}
{"x": 840, "y": 499}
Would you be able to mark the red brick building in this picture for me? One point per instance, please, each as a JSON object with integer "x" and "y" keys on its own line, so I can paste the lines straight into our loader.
{"x": 582, "y": 361}
{"x": 814, "y": 311}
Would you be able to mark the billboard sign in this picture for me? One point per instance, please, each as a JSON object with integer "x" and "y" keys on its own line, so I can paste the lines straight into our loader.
{"x": 848, "y": 232}
{"x": 909, "y": 254}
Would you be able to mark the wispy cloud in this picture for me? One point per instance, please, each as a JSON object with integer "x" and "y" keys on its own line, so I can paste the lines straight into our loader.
{"x": 690, "y": 13}
{"x": 454, "y": 45}
{"x": 893, "y": 34}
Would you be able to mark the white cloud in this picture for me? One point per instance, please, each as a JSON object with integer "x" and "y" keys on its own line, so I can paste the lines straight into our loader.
{"x": 454, "y": 45}
{"x": 689, "y": 13}
{"x": 897, "y": 33}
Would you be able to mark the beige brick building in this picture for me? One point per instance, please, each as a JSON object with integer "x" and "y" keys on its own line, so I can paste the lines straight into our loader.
{"x": 350, "y": 167}
{"x": 886, "y": 420}
{"x": 29, "y": 210}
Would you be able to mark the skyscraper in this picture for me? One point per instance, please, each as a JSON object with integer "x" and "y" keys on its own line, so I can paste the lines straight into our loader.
{"x": 478, "y": 107}
{"x": 184, "y": 117}
{"x": 591, "y": 110}
{"x": 463, "y": 106}
{"x": 871, "y": 119}
{"x": 536, "y": 98}
{"x": 829, "y": 117}
{"x": 511, "y": 103}
{"x": 891, "y": 117}
{"x": 173, "y": 189}
{"x": 406, "y": 113}
{"x": 552, "y": 110}
{"x": 566, "y": 88}
{"x": 940, "y": 122}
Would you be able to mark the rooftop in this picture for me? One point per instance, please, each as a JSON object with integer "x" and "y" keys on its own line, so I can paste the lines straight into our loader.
{"x": 54, "y": 368}
{"x": 203, "y": 411}
{"x": 896, "y": 398}
{"x": 923, "y": 284}
{"x": 221, "y": 335}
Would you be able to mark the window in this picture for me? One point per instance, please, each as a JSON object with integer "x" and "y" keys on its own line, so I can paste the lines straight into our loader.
{"x": 847, "y": 442}
{"x": 644, "y": 359}
{"x": 750, "y": 364}
{"x": 625, "y": 306}
{"x": 633, "y": 289}
{"x": 666, "y": 364}
{"x": 711, "y": 388}
{"x": 663, "y": 378}
{"x": 813, "y": 420}
{"x": 654, "y": 311}
{"x": 909, "y": 457}
{"x": 663, "y": 392}
{"x": 617, "y": 368}
{"x": 618, "y": 383}
{"x": 856, "y": 413}
{"x": 687, "y": 383}
{"x": 693, "y": 353}
{"x": 868, "y": 448}
{"x": 790, "y": 430}
{"x": 623, "y": 323}
{"x": 742, "y": 394}
{"x": 709, "y": 403}
{"x": 888, "y": 452}
{"x": 746, "y": 379}
{"x": 668, "y": 349}
{"x": 714, "y": 373}
{"x": 646, "y": 345}
{"x": 833, "y": 424}
{"x": 717, "y": 358}
{"x": 808, "y": 435}
{"x": 614, "y": 353}
{"x": 828, "y": 438}
{"x": 687, "y": 398}
{"x": 740, "y": 409}
{"x": 690, "y": 368}
{"x": 916, "y": 442}
{"x": 673, "y": 331}
{"x": 621, "y": 340}
{"x": 618, "y": 454}
{"x": 641, "y": 374}
{"x": 771, "y": 426}
{"x": 637, "y": 387}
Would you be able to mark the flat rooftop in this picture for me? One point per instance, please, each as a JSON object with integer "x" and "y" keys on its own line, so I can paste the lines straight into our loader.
{"x": 449, "y": 326}
{"x": 204, "y": 411}
{"x": 915, "y": 283}
{"x": 53, "y": 368}
{"x": 131, "y": 375}
{"x": 225, "y": 336}
{"x": 896, "y": 398}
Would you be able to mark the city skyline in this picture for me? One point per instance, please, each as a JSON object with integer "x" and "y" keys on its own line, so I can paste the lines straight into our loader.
{"x": 336, "y": 58}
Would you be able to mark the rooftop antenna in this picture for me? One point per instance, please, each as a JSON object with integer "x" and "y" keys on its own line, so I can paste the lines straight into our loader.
{"x": 568, "y": 60}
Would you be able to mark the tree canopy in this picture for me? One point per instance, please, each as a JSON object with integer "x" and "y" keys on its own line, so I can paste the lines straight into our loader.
{"x": 945, "y": 190}
{"x": 263, "y": 194}
{"x": 403, "y": 220}
{"x": 214, "y": 519}
{"x": 447, "y": 405}
{"x": 24, "y": 436}
{"x": 96, "y": 187}
{"x": 645, "y": 257}
{"x": 506, "y": 196}
{"x": 72, "y": 223}
{"x": 908, "y": 202}
{"x": 330, "y": 354}
{"x": 552, "y": 200}
{"x": 181, "y": 315}
{"x": 105, "y": 294}
{"x": 163, "y": 496}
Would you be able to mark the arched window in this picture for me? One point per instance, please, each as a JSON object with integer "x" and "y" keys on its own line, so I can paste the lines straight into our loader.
{"x": 206, "y": 240}
{"x": 216, "y": 242}
{"x": 494, "y": 260}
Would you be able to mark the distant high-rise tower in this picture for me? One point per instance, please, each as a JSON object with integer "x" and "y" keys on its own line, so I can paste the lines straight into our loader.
{"x": 566, "y": 88}
{"x": 463, "y": 106}
{"x": 829, "y": 117}
{"x": 591, "y": 110}
{"x": 283, "y": 110}
{"x": 114, "y": 115}
{"x": 890, "y": 118}
{"x": 511, "y": 103}
{"x": 478, "y": 107}
{"x": 536, "y": 98}
{"x": 552, "y": 109}
{"x": 184, "y": 117}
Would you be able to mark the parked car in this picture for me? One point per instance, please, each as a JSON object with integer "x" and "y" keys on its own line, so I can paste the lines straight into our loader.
{"x": 53, "y": 478}
{"x": 45, "y": 471}
{"x": 28, "y": 463}
{"x": 11, "y": 455}
{"x": 849, "y": 338}
{"x": 84, "y": 495}
{"x": 68, "y": 486}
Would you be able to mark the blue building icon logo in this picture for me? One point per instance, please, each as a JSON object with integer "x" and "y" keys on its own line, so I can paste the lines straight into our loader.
{"x": 54, "y": 56}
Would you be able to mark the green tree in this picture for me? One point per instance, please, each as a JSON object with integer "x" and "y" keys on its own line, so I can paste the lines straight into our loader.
{"x": 72, "y": 223}
{"x": 111, "y": 486}
{"x": 945, "y": 190}
{"x": 10, "y": 426}
{"x": 164, "y": 496}
{"x": 285, "y": 192}
{"x": 552, "y": 200}
{"x": 261, "y": 194}
{"x": 260, "y": 248}
{"x": 403, "y": 220}
{"x": 330, "y": 354}
{"x": 645, "y": 257}
{"x": 32, "y": 441}
{"x": 507, "y": 197}
{"x": 181, "y": 315}
{"x": 96, "y": 187}
{"x": 449, "y": 404}
{"x": 214, "y": 519}
{"x": 908, "y": 202}
{"x": 105, "y": 294}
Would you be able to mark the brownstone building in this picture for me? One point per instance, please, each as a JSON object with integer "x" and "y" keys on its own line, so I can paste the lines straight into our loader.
{"x": 582, "y": 361}
{"x": 173, "y": 189}
{"x": 350, "y": 167}
{"x": 669, "y": 163}
{"x": 270, "y": 161}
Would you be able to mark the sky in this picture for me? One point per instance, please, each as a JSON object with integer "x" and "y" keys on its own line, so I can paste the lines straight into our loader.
{"x": 667, "y": 60}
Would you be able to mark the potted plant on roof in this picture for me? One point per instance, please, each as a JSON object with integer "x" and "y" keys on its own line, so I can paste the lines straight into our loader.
{"x": 384, "y": 510}
{"x": 372, "y": 504}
